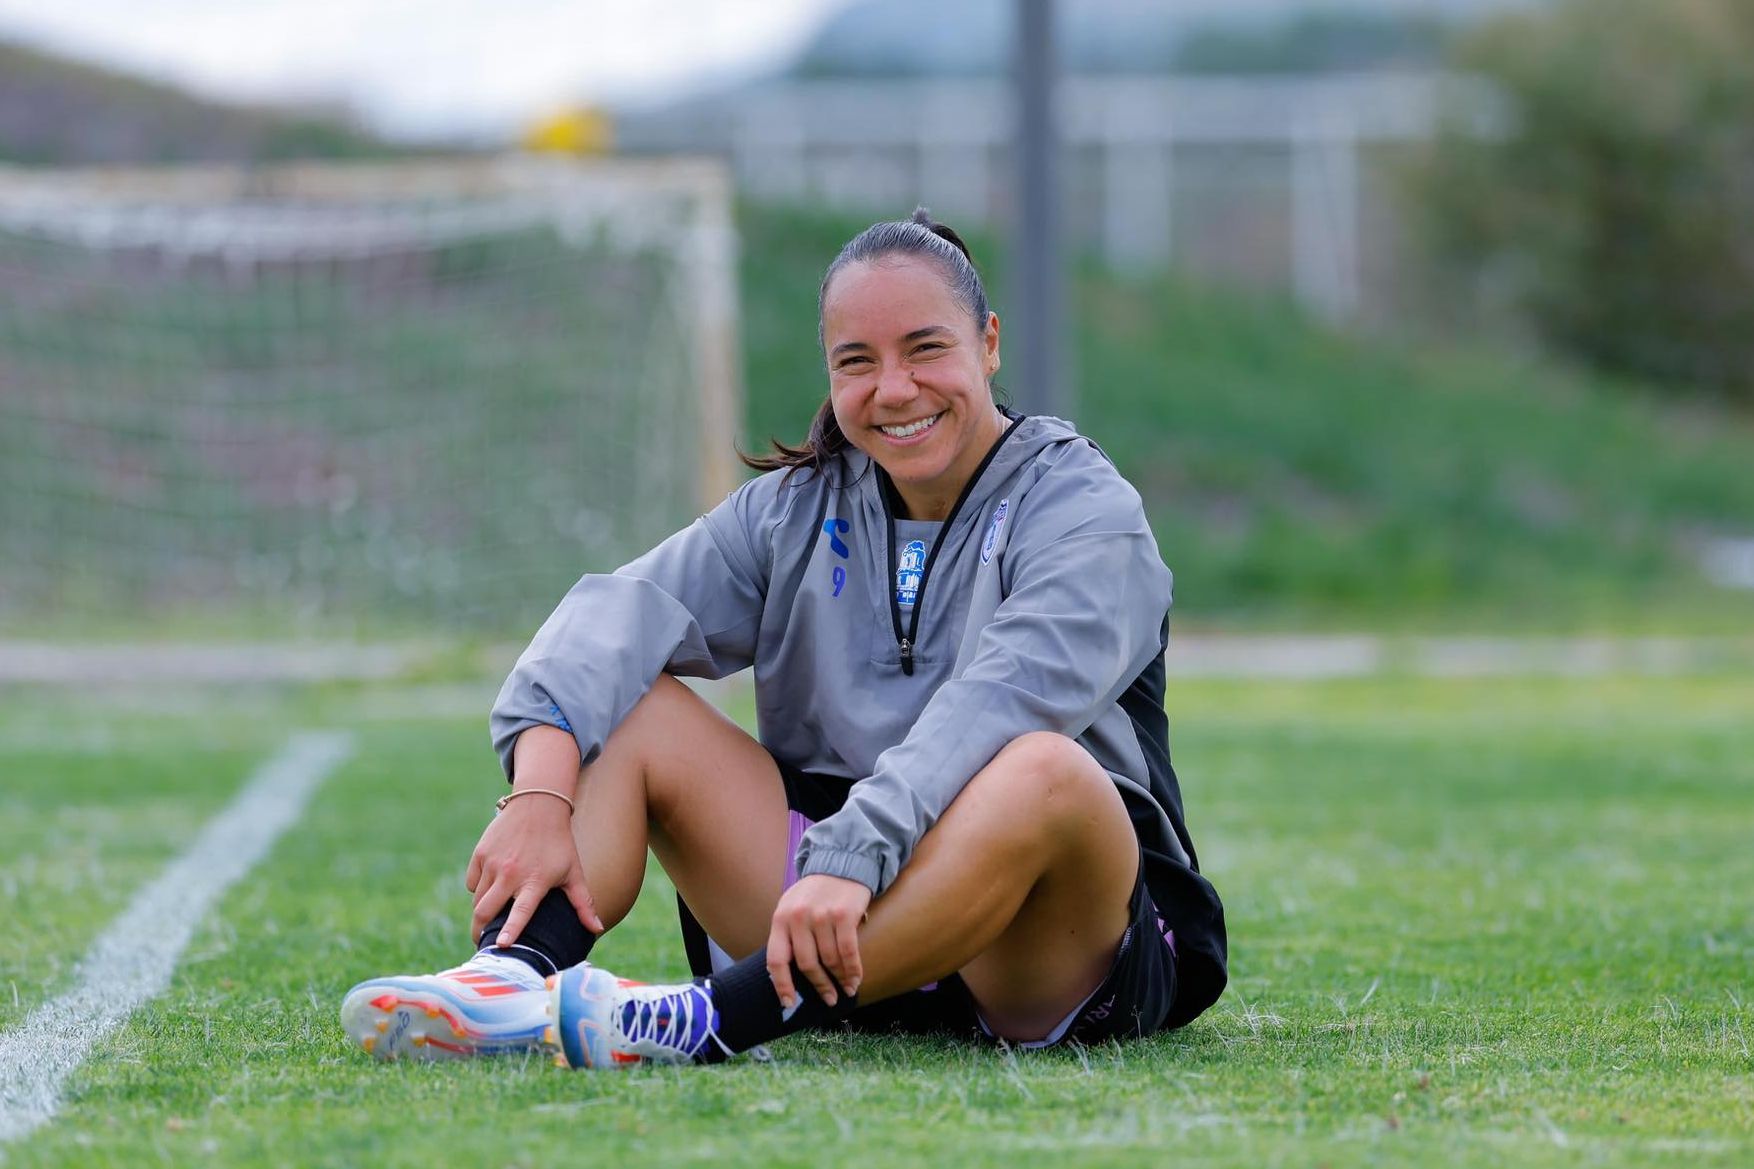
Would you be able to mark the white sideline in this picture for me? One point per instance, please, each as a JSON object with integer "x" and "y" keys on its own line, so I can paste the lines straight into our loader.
{"x": 132, "y": 961}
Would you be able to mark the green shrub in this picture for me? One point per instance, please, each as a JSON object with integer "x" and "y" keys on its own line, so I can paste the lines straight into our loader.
{"x": 1611, "y": 200}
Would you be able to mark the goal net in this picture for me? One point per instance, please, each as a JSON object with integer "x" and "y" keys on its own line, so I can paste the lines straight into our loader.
{"x": 354, "y": 398}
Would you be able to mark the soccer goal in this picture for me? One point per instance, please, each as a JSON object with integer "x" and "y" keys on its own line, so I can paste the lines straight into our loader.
{"x": 355, "y": 396}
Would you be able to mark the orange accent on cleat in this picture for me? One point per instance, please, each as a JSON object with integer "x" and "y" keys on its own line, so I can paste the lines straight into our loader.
{"x": 493, "y": 992}
{"x": 624, "y": 1057}
{"x": 417, "y": 1039}
{"x": 382, "y": 1025}
{"x": 550, "y": 1035}
{"x": 385, "y": 1002}
{"x": 433, "y": 1012}
{"x": 369, "y": 1042}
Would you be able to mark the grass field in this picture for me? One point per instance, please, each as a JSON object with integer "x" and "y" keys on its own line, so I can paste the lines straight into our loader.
{"x": 326, "y": 453}
{"x": 1297, "y": 475}
{"x": 1473, "y": 923}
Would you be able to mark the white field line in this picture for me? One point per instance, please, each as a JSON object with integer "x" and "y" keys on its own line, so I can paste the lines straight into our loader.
{"x": 133, "y": 960}
{"x": 51, "y": 663}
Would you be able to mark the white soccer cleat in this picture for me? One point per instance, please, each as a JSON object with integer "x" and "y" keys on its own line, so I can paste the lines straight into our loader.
{"x": 490, "y": 1005}
{"x": 601, "y": 1021}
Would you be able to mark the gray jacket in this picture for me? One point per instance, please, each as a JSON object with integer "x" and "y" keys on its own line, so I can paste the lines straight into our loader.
{"x": 903, "y": 654}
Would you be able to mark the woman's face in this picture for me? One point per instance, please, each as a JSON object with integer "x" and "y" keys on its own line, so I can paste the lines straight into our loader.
{"x": 907, "y": 375}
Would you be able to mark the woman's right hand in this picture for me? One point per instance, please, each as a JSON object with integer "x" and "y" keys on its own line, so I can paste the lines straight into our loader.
{"x": 527, "y": 850}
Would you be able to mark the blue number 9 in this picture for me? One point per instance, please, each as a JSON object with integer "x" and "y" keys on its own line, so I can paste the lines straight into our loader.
{"x": 840, "y": 579}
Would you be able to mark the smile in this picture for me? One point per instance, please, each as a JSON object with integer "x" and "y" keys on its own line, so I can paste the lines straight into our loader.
{"x": 908, "y": 430}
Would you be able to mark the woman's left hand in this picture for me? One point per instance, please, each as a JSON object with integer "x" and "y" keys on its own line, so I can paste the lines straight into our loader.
{"x": 816, "y": 926}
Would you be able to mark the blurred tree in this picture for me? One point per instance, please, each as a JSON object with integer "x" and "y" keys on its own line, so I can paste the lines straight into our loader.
{"x": 1611, "y": 200}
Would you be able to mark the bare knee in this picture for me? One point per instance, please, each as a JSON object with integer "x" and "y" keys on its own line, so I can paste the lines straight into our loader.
{"x": 644, "y": 730}
{"x": 670, "y": 739}
{"x": 663, "y": 698}
{"x": 1048, "y": 768}
{"x": 1045, "y": 785}
{"x": 637, "y": 742}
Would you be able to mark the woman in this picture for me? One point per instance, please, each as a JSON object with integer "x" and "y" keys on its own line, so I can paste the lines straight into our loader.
{"x": 961, "y": 813}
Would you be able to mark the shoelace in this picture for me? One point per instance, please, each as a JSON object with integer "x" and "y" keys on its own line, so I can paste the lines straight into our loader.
{"x": 659, "y": 1021}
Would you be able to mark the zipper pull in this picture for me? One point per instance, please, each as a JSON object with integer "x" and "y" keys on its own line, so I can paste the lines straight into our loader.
{"x": 907, "y": 657}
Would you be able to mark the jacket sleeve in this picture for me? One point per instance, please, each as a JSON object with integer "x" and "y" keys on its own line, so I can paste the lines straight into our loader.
{"x": 690, "y": 606}
{"x": 1082, "y": 618}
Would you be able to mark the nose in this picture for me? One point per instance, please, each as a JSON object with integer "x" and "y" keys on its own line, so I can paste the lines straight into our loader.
{"x": 895, "y": 386}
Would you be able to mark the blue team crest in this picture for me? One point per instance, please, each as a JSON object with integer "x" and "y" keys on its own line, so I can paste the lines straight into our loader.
{"x": 908, "y": 571}
{"x": 992, "y": 540}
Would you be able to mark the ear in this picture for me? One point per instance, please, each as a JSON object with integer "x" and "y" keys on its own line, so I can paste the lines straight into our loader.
{"x": 990, "y": 345}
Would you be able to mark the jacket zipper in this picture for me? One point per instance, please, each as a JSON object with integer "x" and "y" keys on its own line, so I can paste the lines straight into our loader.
{"x": 906, "y": 641}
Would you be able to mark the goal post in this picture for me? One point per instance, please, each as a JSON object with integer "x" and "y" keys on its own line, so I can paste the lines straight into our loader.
{"x": 360, "y": 397}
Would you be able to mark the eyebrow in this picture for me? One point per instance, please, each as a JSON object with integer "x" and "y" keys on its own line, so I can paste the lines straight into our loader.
{"x": 916, "y": 335}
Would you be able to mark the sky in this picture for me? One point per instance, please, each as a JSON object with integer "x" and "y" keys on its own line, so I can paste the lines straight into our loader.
{"x": 473, "y": 68}
{"x": 414, "y": 68}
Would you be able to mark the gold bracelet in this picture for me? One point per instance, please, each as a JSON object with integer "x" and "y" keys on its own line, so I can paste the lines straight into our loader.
{"x": 499, "y": 804}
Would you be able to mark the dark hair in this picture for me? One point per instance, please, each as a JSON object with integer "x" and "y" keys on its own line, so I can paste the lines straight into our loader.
{"x": 915, "y": 236}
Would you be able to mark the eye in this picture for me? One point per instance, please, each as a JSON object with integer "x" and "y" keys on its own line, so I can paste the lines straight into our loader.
{"x": 850, "y": 362}
{"x": 929, "y": 346}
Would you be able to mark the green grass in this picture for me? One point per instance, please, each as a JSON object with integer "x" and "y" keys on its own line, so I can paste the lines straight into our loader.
{"x": 1473, "y": 923}
{"x": 458, "y": 448}
{"x": 84, "y": 820}
{"x": 335, "y": 447}
{"x": 1300, "y": 476}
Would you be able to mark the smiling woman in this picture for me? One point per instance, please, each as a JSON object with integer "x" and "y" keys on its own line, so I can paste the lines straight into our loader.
{"x": 908, "y": 370}
{"x": 973, "y": 827}
{"x": 911, "y": 343}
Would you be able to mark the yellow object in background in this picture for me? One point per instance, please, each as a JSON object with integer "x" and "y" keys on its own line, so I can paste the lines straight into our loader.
{"x": 581, "y": 131}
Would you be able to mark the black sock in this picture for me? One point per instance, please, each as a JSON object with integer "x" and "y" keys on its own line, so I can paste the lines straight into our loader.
{"x": 553, "y": 940}
{"x": 749, "y": 1007}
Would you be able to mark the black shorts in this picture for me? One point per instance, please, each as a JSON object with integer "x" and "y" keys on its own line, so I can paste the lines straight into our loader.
{"x": 1133, "y": 1000}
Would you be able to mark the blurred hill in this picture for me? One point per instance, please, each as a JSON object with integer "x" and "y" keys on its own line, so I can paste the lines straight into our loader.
{"x": 914, "y": 38}
{"x": 56, "y": 111}
{"x": 1296, "y": 474}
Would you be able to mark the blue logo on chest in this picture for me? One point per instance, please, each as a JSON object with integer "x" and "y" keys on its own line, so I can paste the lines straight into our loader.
{"x": 834, "y": 528}
{"x": 997, "y": 522}
{"x": 908, "y": 570}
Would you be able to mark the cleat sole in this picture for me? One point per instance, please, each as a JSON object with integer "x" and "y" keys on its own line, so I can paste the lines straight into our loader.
{"x": 392, "y": 1022}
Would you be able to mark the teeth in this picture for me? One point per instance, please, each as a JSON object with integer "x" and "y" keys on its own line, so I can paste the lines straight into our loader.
{"x": 911, "y": 428}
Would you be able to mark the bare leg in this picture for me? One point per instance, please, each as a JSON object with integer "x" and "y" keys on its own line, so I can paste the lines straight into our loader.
{"x": 1022, "y": 886}
{"x": 707, "y": 798}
